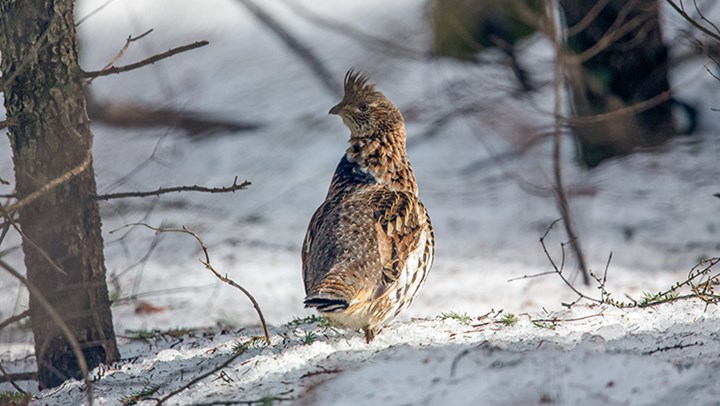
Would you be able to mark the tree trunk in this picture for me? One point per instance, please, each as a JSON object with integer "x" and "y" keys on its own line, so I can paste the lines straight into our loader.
{"x": 623, "y": 62}
{"x": 51, "y": 135}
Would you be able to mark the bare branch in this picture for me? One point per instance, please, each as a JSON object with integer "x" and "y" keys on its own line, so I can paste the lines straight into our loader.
{"x": 14, "y": 319}
{"x": 9, "y": 221}
{"x": 362, "y": 38}
{"x": 252, "y": 402}
{"x": 160, "y": 292}
{"x": 194, "y": 188}
{"x": 588, "y": 19}
{"x": 66, "y": 177}
{"x": 92, "y": 13}
{"x": 713, "y": 74}
{"x": 619, "y": 29}
{"x": 131, "y": 115}
{"x": 558, "y": 320}
{"x": 57, "y": 318}
{"x": 701, "y": 281}
{"x": 238, "y": 352}
{"x": 559, "y": 271}
{"x": 632, "y": 109}
{"x": 302, "y": 51}
{"x": 11, "y": 379}
{"x": 121, "y": 52}
{"x": 19, "y": 376}
{"x": 607, "y": 266}
{"x": 200, "y": 377}
{"x": 703, "y": 18}
{"x": 4, "y": 228}
{"x": 207, "y": 264}
{"x": 561, "y": 198}
{"x": 692, "y": 21}
{"x": 6, "y": 123}
{"x": 145, "y": 62}
{"x": 535, "y": 275}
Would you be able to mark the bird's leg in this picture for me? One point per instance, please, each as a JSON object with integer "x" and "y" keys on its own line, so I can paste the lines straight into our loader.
{"x": 369, "y": 334}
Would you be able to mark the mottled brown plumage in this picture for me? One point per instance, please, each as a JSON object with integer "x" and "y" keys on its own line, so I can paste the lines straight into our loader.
{"x": 370, "y": 245}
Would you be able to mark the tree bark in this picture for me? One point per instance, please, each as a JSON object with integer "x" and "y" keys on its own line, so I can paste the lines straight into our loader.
{"x": 622, "y": 62}
{"x": 51, "y": 135}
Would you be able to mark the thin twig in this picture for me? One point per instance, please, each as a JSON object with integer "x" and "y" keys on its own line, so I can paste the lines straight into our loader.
{"x": 678, "y": 346}
{"x": 14, "y": 319}
{"x": 4, "y": 228}
{"x": 517, "y": 278}
{"x": 92, "y": 13}
{"x": 133, "y": 115}
{"x": 701, "y": 281}
{"x": 607, "y": 266}
{"x": 262, "y": 401}
{"x": 562, "y": 201}
{"x": 713, "y": 74}
{"x": 700, "y": 270}
{"x": 201, "y": 377}
{"x": 692, "y": 21}
{"x": 620, "y": 28}
{"x": 11, "y": 378}
{"x": 125, "y": 47}
{"x": 11, "y": 222}
{"x": 362, "y": 38}
{"x": 160, "y": 292}
{"x": 66, "y": 177}
{"x": 558, "y": 320}
{"x": 587, "y": 19}
{"x": 303, "y": 52}
{"x": 62, "y": 325}
{"x": 121, "y": 52}
{"x": 462, "y": 354}
{"x": 194, "y": 188}
{"x": 703, "y": 18}
{"x": 634, "y": 108}
{"x": 145, "y": 62}
{"x": 559, "y": 270}
{"x": 207, "y": 264}
{"x": 19, "y": 376}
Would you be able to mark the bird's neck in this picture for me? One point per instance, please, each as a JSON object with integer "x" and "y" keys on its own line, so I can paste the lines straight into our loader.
{"x": 383, "y": 156}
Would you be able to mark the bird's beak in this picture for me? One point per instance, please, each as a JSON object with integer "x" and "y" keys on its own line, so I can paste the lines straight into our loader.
{"x": 336, "y": 109}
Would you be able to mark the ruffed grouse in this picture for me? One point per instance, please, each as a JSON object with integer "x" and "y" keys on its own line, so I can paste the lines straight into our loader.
{"x": 370, "y": 245}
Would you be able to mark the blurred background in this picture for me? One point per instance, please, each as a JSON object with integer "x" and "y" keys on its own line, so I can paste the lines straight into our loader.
{"x": 475, "y": 82}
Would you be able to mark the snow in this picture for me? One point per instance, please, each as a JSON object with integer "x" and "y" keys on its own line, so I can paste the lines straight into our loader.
{"x": 608, "y": 356}
{"x": 654, "y": 211}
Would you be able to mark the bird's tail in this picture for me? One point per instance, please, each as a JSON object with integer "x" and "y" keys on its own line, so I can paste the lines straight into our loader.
{"x": 326, "y": 304}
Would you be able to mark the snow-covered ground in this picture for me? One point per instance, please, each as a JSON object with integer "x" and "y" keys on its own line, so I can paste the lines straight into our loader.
{"x": 654, "y": 211}
{"x": 591, "y": 356}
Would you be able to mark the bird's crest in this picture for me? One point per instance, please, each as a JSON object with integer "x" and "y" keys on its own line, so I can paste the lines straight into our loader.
{"x": 356, "y": 83}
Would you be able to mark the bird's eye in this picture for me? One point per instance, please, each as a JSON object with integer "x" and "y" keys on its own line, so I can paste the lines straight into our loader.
{"x": 363, "y": 106}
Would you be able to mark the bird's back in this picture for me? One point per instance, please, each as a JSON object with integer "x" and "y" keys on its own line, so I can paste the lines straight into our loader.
{"x": 367, "y": 251}
{"x": 340, "y": 250}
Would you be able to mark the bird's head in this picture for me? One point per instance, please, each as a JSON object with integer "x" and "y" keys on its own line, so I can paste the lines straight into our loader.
{"x": 364, "y": 110}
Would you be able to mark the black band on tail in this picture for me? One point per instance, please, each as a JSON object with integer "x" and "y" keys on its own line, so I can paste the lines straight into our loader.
{"x": 327, "y": 305}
